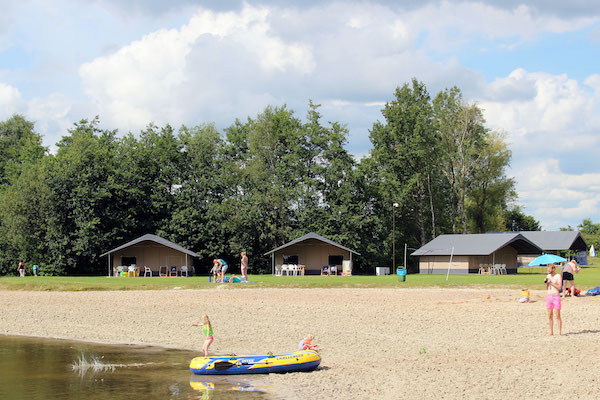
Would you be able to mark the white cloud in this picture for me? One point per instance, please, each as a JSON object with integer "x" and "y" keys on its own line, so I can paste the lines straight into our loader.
{"x": 553, "y": 126}
{"x": 170, "y": 75}
{"x": 542, "y": 112}
{"x": 51, "y": 114}
{"x": 10, "y": 100}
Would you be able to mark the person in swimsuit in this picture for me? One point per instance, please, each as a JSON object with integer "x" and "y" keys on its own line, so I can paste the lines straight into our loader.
{"x": 553, "y": 285}
{"x": 567, "y": 277}
{"x": 216, "y": 270}
{"x": 207, "y": 331}
{"x": 306, "y": 343}
{"x": 223, "y": 266}
{"x": 244, "y": 268}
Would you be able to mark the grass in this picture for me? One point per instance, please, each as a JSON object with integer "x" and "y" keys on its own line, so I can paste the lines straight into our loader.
{"x": 588, "y": 277}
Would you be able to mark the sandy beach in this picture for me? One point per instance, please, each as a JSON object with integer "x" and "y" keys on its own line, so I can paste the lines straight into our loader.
{"x": 370, "y": 339}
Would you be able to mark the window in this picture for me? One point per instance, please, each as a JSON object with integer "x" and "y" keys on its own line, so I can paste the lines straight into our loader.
{"x": 127, "y": 261}
{"x": 336, "y": 260}
{"x": 290, "y": 259}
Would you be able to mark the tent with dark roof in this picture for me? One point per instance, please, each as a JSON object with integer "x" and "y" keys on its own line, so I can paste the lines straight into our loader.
{"x": 469, "y": 251}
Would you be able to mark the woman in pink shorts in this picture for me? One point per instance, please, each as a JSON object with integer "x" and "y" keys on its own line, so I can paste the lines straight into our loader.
{"x": 553, "y": 285}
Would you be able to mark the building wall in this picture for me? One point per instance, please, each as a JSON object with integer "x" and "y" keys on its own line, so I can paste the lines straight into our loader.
{"x": 506, "y": 255}
{"x": 468, "y": 264}
{"x": 153, "y": 255}
{"x": 439, "y": 264}
{"x": 312, "y": 253}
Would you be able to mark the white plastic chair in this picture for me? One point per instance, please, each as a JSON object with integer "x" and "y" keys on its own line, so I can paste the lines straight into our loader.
{"x": 294, "y": 269}
{"x": 333, "y": 270}
{"x": 147, "y": 270}
{"x": 183, "y": 270}
{"x": 120, "y": 269}
{"x": 285, "y": 268}
{"x": 131, "y": 270}
{"x": 502, "y": 269}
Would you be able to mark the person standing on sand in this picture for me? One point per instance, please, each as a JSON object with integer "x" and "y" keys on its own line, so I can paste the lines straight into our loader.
{"x": 207, "y": 331}
{"x": 567, "y": 277}
{"x": 244, "y": 265}
{"x": 553, "y": 286}
{"x": 21, "y": 268}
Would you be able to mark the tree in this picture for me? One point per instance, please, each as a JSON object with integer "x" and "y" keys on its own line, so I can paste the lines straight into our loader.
{"x": 83, "y": 215}
{"x": 22, "y": 190}
{"x": 517, "y": 221}
{"x": 462, "y": 136}
{"x": 405, "y": 152}
{"x": 491, "y": 189}
{"x": 587, "y": 226}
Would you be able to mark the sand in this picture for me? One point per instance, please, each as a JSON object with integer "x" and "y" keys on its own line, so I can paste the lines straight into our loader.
{"x": 375, "y": 343}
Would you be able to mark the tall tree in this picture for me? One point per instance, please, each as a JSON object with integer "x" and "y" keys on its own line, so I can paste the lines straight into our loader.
{"x": 21, "y": 191}
{"x": 404, "y": 151}
{"x": 462, "y": 137}
{"x": 492, "y": 190}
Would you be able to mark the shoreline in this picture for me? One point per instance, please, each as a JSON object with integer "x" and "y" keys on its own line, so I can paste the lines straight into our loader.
{"x": 472, "y": 347}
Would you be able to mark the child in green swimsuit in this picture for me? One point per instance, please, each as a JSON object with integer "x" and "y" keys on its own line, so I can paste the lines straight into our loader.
{"x": 207, "y": 331}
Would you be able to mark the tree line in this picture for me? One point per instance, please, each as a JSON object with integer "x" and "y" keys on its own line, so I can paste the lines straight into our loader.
{"x": 256, "y": 185}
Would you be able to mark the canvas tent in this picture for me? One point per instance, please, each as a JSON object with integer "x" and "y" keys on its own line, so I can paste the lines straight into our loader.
{"x": 468, "y": 251}
{"x": 554, "y": 242}
{"x": 313, "y": 251}
{"x": 149, "y": 250}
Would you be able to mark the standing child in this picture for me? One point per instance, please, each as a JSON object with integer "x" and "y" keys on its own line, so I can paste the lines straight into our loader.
{"x": 553, "y": 285}
{"x": 244, "y": 267}
{"x": 207, "y": 331}
{"x": 215, "y": 271}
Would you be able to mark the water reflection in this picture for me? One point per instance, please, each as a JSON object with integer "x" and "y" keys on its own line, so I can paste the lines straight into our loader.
{"x": 32, "y": 368}
{"x": 226, "y": 383}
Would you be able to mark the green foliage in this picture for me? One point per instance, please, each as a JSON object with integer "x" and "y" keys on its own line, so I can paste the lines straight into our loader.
{"x": 257, "y": 185}
{"x": 516, "y": 220}
{"x": 587, "y": 226}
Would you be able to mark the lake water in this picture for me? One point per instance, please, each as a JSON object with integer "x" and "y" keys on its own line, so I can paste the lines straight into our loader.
{"x": 46, "y": 369}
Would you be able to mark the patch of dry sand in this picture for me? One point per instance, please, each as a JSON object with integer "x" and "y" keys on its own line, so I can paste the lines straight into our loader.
{"x": 370, "y": 339}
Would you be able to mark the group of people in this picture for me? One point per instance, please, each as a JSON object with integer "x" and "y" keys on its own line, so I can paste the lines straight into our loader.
{"x": 220, "y": 268}
{"x": 209, "y": 338}
{"x": 22, "y": 269}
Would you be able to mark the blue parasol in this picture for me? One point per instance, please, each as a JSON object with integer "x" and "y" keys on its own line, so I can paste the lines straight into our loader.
{"x": 546, "y": 259}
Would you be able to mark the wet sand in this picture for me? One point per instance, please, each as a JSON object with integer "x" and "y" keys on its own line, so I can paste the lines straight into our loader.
{"x": 375, "y": 343}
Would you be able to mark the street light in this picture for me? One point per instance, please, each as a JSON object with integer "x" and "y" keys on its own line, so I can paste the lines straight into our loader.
{"x": 394, "y": 238}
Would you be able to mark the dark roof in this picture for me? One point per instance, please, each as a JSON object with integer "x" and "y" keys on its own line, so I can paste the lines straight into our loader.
{"x": 557, "y": 240}
{"x": 312, "y": 235}
{"x": 480, "y": 244}
{"x": 156, "y": 239}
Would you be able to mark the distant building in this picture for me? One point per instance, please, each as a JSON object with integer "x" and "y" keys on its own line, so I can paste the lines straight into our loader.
{"x": 470, "y": 251}
{"x": 151, "y": 251}
{"x": 312, "y": 251}
{"x": 554, "y": 242}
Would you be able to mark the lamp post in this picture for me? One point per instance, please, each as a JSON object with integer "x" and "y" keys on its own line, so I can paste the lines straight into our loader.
{"x": 392, "y": 271}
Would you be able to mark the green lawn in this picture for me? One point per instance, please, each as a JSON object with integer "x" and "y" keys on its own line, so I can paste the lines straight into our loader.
{"x": 588, "y": 277}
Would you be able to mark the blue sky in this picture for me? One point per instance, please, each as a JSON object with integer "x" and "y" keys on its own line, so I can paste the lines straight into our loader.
{"x": 531, "y": 66}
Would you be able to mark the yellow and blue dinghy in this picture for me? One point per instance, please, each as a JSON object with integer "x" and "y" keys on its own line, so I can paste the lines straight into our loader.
{"x": 304, "y": 360}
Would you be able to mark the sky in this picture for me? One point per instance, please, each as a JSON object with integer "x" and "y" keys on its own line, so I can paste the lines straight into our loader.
{"x": 532, "y": 67}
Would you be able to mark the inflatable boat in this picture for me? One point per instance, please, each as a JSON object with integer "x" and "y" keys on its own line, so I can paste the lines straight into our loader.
{"x": 304, "y": 360}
